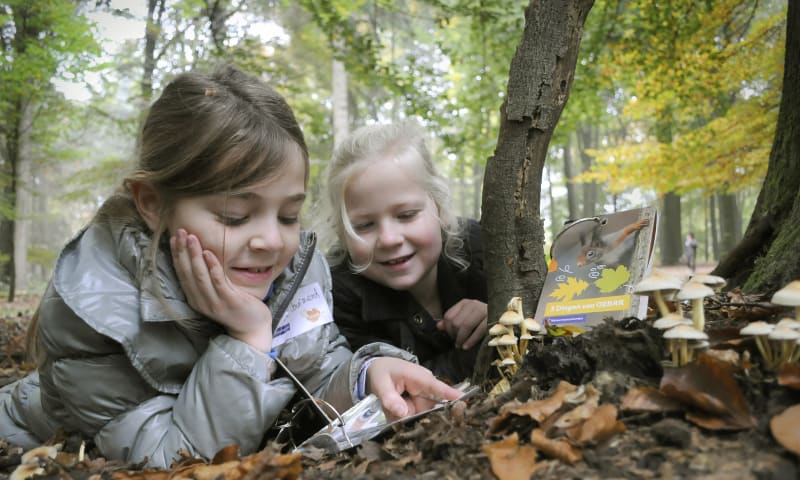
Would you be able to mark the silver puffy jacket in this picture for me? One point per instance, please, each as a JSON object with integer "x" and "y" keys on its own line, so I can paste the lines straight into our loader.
{"x": 120, "y": 370}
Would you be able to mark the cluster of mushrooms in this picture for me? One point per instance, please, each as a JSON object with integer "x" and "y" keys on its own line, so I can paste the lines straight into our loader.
{"x": 510, "y": 335}
{"x": 779, "y": 344}
{"x": 684, "y": 336}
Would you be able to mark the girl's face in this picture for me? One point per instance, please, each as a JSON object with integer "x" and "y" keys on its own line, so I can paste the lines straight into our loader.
{"x": 399, "y": 224}
{"x": 254, "y": 232}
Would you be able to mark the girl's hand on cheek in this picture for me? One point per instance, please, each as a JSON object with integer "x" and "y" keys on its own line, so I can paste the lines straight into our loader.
{"x": 466, "y": 322}
{"x": 209, "y": 292}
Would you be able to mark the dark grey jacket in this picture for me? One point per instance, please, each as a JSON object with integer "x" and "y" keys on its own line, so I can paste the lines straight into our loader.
{"x": 121, "y": 371}
{"x": 368, "y": 312}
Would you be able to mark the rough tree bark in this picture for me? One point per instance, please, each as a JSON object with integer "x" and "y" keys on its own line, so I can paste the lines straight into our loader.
{"x": 539, "y": 82}
{"x": 766, "y": 257}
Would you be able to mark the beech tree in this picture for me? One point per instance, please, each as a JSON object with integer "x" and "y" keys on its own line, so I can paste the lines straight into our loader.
{"x": 766, "y": 257}
{"x": 539, "y": 82}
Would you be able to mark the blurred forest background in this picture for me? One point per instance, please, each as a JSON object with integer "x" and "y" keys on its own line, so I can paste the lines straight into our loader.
{"x": 674, "y": 104}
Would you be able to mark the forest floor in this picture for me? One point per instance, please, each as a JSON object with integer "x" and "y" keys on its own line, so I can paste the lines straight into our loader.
{"x": 601, "y": 405}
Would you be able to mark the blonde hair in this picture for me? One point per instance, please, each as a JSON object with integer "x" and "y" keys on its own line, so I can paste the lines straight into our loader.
{"x": 405, "y": 143}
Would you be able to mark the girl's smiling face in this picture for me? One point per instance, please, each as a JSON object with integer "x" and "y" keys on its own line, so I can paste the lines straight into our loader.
{"x": 397, "y": 222}
{"x": 253, "y": 232}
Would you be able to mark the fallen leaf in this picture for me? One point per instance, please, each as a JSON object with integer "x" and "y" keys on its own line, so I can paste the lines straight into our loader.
{"x": 785, "y": 427}
{"x": 226, "y": 454}
{"x": 648, "y": 400}
{"x": 539, "y": 410}
{"x": 560, "y": 449}
{"x": 509, "y": 460}
{"x": 789, "y": 376}
{"x": 580, "y": 413}
{"x": 708, "y": 386}
{"x": 602, "y": 425}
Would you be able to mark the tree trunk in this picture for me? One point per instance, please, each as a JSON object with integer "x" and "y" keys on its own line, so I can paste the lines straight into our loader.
{"x": 713, "y": 233}
{"x": 670, "y": 228}
{"x": 341, "y": 114}
{"x": 23, "y": 199}
{"x": 766, "y": 257}
{"x": 539, "y": 81}
{"x": 590, "y": 190}
{"x": 729, "y": 222}
{"x": 151, "y": 33}
{"x": 572, "y": 197}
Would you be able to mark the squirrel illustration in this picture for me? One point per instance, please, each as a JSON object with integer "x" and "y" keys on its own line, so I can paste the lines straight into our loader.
{"x": 608, "y": 249}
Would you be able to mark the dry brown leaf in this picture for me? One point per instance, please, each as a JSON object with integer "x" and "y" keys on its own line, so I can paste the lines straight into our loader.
{"x": 226, "y": 454}
{"x": 708, "y": 386}
{"x": 201, "y": 471}
{"x": 577, "y": 415}
{"x": 560, "y": 449}
{"x": 539, "y": 410}
{"x": 648, "y": 400}
{"x": 142, "y": 475}
{"x": 596, "y": 429}
{"x": 789, "y": 376}
{"x": 785, "y": 428}
{"x": 509, "y": 459}
{"x": 402, "y": 462}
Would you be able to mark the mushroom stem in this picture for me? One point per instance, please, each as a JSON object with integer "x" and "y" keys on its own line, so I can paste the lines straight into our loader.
{"x": 673, "y": 350}
{"x": 698, "y": 314}
{"x": 684, "y": 355}
{"x": 763, "y": 347}
{"x": 660, "y": 303}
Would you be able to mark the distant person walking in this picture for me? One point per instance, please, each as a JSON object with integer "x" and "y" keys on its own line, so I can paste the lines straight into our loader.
{"x": 690, "y": 251}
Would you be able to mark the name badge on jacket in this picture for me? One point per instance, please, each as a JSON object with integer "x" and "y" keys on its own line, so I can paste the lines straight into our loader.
{"x": 307, "y": 311}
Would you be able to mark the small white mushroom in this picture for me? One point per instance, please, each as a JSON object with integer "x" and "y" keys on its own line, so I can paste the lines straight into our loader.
{"x": 658, "y": 282}
{"x": 788, "y": 322}
{"x": 680, "y": 335}
{"x": 713, "y": 281}
{"x": 789, "y": 296}
{"x": 528, "y": 327}
{"x": 696, "y": 292}
{"x": 760, "y": 330}
{"x": 671, "y": 320}
{"x": 498, "y": 329}
{"x": 784, "y": 340}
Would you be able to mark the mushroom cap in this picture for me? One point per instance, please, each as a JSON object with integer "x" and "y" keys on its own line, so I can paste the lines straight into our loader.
{"x": 789, "y": 295}
{"x": 783, "y": 333}
{"x": 531, "y": 325}
{"x": 788, "y": 322}
{"x": 507, "y": 339}
{"x": 687, "y": 332}
{"x": 498, "y": 329}
{"x": 699, "y": 344}
{"x": 494, "y": 341}
{"x": 712, "y": 281}
{"x": 693, "y": 290}
{"x": 757, "y": 328}
{"x": 658, "y": 280}
{"x": 526, "y": 336}
{"x": 508, "y": 361}
{"x": 510, "y": 317}
{"x": 668, "y": 321}
{"x": 515, "y": 304}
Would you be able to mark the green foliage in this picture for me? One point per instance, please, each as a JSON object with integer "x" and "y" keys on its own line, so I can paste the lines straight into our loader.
{"x": 708, "y": 71}
{"x": 41, "y": 256}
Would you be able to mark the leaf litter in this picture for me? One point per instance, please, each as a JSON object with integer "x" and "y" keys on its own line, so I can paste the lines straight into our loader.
{"x": 601, "y": 404}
